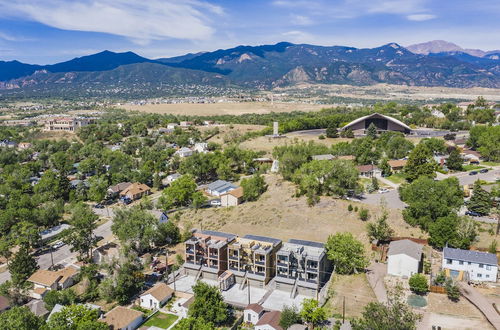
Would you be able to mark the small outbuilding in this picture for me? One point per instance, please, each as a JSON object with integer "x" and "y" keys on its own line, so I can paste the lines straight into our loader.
{"x": 232, "y": 198}
{"x": 404, "y": 258}
{"x": 253, "y": 313}
{"x": 157, "y": 296}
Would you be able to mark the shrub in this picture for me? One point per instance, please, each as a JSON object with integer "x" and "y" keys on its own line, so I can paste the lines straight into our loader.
{"x": 364, "y": 214}
{"x": 321, "y": 137}
{"x": 418, "y": 283}
{"x": 350, "y": 208}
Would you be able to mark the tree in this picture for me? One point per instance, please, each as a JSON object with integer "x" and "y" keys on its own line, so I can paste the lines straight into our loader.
{"x": 380, "y": 230}
{"x": 375, "y": 184}
{"x": 332, "y": 132}
{"x": 81, "y": 235}
{"x": 372, "y": 131}
{"x": 480, "y": 201}
{"x": 454, "y": 231}
{"x": 129, "y": 282}
{"x": 253, "y": 187}
{"x": 167, "y": 233}
{"x": 385, "y": 167}
{"x": 179, "y": 193}
{"x": 455, "y": 161}
{"x": 346, "y": 253}
{"x": 20, "y": 318}
{"x": 98, "y": 188}
{"x": 428, "y": 200}
{"x": 311, "y": 313}
{"x": 289, "y": 316}
{"x": 76, "y": 317}
{"x": 348, "y": 133}
{"x": 63, "y": 297}
{"x": 208, "y": 304}
{"x": 191, "y": 323}
{"x": 418, "y": 283}
{"x": 452, "y": 290}
{"x": 136, "y": 227}
{"x": 22, "y": 266}
{"x": 420, "y": 163}
{"x": 396, "y": 314}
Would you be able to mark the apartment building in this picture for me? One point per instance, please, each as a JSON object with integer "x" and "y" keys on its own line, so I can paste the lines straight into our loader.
{"x": 206, "y": 253}
{"x": 302, "y": 267}
{"x": 67, "y": 123}
{"x": 252, "y": 259}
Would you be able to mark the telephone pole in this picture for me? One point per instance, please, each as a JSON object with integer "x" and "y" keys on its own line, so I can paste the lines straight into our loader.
{"x": 343, "y": 311}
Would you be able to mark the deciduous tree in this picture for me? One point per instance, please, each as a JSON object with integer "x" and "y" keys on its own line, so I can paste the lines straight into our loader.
{"x": 347, "y": 253}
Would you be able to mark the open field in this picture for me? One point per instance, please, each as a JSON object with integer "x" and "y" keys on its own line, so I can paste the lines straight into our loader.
{"x": 56, "y": 135}
{"x": 357, "y": 293}
{"x": 290, "y": 217}
{"x": 223, "y": 108}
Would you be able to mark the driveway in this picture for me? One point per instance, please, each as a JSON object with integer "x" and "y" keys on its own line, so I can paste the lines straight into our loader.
{"x": 478, "y": 300}
{"x": 375, "y": 274}
{"x": 390, "y": 198}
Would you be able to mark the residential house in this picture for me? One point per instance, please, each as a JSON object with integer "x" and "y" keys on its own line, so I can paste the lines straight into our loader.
{"x": 219, "y": 187}
{"x": 302, "y": 267}
{"x": 45, "y": 280}
{"x": 160, "y": 215}
{"x": 7, "y": 144}
{"x": 397, "y": 165}
{"x": 157, "y": 296}
{"x": 184, "y": 152}
{"x": 404, "y": 258}
{"x": 24, "y": 145}
{"x": 471, "y": 156}
{"x": 475, "y": 265}
{"x": 269, "y": 321}
{"x": 135, "y": 191}
{"x": 323, "y": 157}
{"x": 163, "y": 130}
{"x": 252, "y": 259}
{"x": 105, "y": 253}
{"x": 253, "y": 313}
{"x": 232, "y": 198}
{"x": 171, "y": 178}
{"x": 201, "y": 147}
{"x": 67, "y": 123}
{"x": 122, "y": 318}
{"x": 369, "y": 171}
{"x": 172, "y": 125}
{"x": 206, "y": 253}
{"x": 116, "y": 189}
{"x": 37, "y": 307}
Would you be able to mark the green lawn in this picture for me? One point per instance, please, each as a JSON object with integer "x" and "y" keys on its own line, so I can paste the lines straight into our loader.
{"x": 490, "y": 163}
{"x": 397, "y": 178}
{"x": 161, "y": 320}
{"x": 472, "y": 167}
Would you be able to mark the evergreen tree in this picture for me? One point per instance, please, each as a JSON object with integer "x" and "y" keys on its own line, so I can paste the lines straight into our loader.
{"x": 22, "y": 266}
{"x": 480, "y": 201}
{"x": 372, "y": 131}
{"x": 332, "y": 132}
{"x": 385, "y": 167}
{"x": 454, "y": 162}
{"x": 420, "y": 163}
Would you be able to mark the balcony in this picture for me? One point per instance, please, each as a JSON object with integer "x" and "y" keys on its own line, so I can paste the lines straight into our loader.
{"x": 260, "y": 262}
{"x": 189, "y": 251}
{"x": 233, "y": 257}
{"x": 282, "y": 264}
{"x": 213, "y": 256}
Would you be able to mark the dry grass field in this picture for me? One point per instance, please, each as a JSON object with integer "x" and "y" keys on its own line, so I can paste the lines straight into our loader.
{"x": 56, "y": 135}
{"x": 357, "y": 293}
{"x": 278, "y": 214}
{"x": 226, "y": 108}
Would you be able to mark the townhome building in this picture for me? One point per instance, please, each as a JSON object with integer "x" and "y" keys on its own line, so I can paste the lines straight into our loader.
{"x": 206, "y": 253}
{"x": 470, "y": 265}
{"x": 252, "y": 259}
{"x": 302, "y": 267}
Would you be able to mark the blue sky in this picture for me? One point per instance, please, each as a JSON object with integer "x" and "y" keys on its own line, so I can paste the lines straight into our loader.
{"x": 48, "y": 31}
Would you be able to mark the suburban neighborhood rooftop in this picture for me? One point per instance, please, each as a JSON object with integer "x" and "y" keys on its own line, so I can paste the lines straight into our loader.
{"x": 472, "y": 256}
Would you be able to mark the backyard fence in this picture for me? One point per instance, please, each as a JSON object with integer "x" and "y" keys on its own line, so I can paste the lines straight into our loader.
{"x": 437, "y": 289}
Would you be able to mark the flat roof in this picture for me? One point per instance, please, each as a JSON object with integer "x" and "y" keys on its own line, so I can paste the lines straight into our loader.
{"x": 306, "y": 243}
{"x": 217, "y": 233}
{"x": 274, "y": 241}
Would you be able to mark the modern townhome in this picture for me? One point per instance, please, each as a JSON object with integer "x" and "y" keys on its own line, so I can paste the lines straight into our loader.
{"x": 252, "y": 259}
{"x": 206, "y": 253}
{"x": 302, "y": 267}
{"x": 470, "y": 265}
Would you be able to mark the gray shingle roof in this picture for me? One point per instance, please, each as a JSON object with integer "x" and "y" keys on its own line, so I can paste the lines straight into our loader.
{"x": 405, "y": 246}
{"x": 472, "y": 256}
{"x": 220, "y": 185}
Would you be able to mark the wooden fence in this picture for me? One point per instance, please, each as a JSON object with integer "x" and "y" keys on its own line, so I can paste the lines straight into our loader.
{"x": 437, "y": 289}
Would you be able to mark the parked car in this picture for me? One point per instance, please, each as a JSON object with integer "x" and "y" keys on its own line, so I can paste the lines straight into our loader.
{"x": 484, "y": 170}
{"x": 472, "y": 172}
{"x": 57, "y": 245}
{"x": 215, "y": 202}
{"x": 98, "y": 206}
{"x": 126, "y": 200}
{"x": 472, "y": 214}
{"x": 383, "y": 190}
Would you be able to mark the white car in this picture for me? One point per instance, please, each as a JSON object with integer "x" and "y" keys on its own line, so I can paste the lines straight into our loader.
{"x": 383, "y": 190}
{"x": 215, "y": 202}
{"x": 58, "y": 245}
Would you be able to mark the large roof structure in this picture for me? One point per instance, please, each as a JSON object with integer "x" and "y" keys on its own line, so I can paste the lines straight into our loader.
{"x": 376, "y": 118}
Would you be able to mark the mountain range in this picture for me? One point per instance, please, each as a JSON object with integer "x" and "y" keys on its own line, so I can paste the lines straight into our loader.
{"x": 436, "y": 63}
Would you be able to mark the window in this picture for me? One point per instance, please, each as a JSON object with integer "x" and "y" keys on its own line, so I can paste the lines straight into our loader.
{"x": 460, "y": 262}
{"x": 479, "y": 275}
{"x": 488, "y": 267}
{"x": 469, "y": 263}
{"x": 487, "y": 276}
{"x": 448, "y": 261}
{"x": 481, "y": 266}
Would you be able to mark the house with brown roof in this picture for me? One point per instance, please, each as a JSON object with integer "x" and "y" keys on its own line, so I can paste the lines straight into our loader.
{"x": 117, "y": 188}
{"x": 397, "y": 165}
{"x": 157, "y": 296}
{"x": 253, "y": 313}
{"x": 122, "y": 318}
{"x": 232, "y": 197}
{"x": 369, "y": 171}
{"x": 44, "y": 280}
{"x": 135, "y": 191}
{"x": 269, "y": 321}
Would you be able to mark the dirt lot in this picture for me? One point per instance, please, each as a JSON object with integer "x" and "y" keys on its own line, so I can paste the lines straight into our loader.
{"x": 228, "y": 133}
{"x": 56, "y": 135}
{"x": 201, "y": 109}
{"x": 280, "y": 215}
{"x": 356, "y": 291}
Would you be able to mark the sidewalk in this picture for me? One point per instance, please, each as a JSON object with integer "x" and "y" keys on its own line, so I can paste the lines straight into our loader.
{"x": 388, "y": 182}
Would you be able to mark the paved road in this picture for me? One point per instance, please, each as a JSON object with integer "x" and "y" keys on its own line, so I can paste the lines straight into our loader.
{"x": 63, "y": 254}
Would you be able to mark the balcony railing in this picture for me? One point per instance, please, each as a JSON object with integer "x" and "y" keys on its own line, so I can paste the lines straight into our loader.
{"x": 282, "y": 264}
{"x": 189, "y": 251}
{"x": 233, "y": 257}
{"x": 259, "y": 262}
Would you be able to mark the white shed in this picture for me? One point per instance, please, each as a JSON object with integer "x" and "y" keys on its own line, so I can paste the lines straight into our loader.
{"x": 253, "y": 313}
{"x": 404, "y": 258}
{"x": 155, "y": 297}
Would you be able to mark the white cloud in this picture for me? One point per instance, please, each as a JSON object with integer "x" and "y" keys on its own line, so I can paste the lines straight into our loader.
{"x": 420, "y": 17}
{"x": 300, "y": 20}
{"x": 141, "y": 21}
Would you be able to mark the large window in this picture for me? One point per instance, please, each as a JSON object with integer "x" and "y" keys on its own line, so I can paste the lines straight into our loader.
{"x": 448, "y": 261}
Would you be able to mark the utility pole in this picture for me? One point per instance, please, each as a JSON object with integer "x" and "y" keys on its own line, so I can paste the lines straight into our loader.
{"x": 343, "y": 311}
{"x": 248, "y": 289}
{"x": 51, "y": 257}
